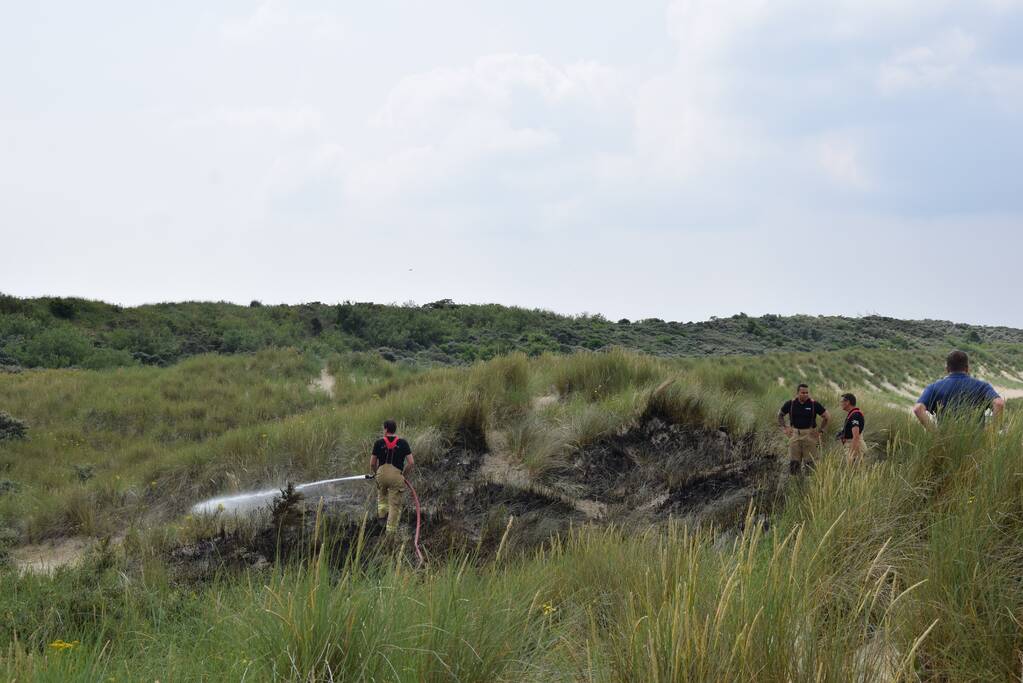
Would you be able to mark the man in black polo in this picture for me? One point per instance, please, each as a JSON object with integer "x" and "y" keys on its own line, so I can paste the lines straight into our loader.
{"x": 852, "y": 432}
{"x": 802, "y": 432}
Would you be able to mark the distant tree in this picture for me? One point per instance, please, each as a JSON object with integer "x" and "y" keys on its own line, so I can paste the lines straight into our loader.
{"x": 441, "y": 304}
{"x": 317, "y": 327}
{"x": 62, "y": 308}
{"x": 624, "y": 321}
{"x": 350, "y": 318}
{"x": 255, "y": 303}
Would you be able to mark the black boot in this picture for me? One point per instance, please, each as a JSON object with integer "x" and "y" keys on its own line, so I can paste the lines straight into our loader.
{"x": 793, "y": 467}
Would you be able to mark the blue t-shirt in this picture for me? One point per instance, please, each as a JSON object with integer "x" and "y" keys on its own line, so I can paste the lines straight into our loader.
{"x": 958, "y": 390}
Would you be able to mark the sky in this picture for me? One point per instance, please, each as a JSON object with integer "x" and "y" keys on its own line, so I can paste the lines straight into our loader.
{"x": 678, "y": 160}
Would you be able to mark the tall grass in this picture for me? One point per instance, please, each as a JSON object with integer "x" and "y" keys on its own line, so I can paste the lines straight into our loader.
{"x": 906, "y": 568}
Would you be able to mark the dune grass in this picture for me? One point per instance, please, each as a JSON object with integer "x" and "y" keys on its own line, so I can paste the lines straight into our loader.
{"x": 908, "y": 568}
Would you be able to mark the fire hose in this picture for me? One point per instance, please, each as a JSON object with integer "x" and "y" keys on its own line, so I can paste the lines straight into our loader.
{"x": 415, "y": 499}
{"x": 419, "y": 519}
{"x": 248, "y": 501}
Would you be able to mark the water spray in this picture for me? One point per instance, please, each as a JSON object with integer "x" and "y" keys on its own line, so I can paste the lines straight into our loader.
{"x": 244, "y": 502}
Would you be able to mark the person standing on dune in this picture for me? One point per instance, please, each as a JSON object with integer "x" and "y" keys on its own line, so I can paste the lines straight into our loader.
{"x": 390, "y": 462}
{"x": 803, "y": 434}
{"x": 958, "y": 392}
{"x": 852, "y": 432}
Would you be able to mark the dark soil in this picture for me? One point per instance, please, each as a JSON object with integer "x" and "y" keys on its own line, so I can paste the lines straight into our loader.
{"x": 645, "y": 475}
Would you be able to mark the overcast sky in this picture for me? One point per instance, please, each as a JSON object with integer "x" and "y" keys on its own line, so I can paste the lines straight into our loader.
{"x": 639, "y": 159}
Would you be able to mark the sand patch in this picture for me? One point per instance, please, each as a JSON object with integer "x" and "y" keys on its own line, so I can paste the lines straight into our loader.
{"x": 46, "y": 558}
{"x": 900, "y": 391}
{"x": 325, "y": 383}
{"x": 1011, "y": 377}
{"x": 865, "y": 370}
{"x": 541, "y": 402}
{"x": 1009, "y": 392}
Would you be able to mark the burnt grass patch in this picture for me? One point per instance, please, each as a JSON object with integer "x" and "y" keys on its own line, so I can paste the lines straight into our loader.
{"x": 646, "y": 474}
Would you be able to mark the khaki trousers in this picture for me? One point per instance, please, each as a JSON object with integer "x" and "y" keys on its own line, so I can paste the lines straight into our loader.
{"x": 390, "y": 486}
{"x": 803, "y": 445}
{"x": 851, "y": 455}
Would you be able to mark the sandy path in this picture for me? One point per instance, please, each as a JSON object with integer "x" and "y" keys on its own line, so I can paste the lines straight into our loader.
{"x": 46, "y": 558}
{"x": 1006, "y": 392}
{"x": 325, "y": 382}
{"x": 499, "y": 470}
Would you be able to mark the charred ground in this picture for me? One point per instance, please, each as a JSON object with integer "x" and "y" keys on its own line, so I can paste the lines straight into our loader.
{"x": 649, "y": 472}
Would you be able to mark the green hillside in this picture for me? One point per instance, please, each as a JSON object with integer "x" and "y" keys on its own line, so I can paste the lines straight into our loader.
{"x": 65, "y": 332}
{"x": 597, "y": 516}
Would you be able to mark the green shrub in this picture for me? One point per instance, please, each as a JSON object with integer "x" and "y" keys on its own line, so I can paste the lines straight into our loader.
{"x": 55, "y": 347}
{"x": 11, "y": 427}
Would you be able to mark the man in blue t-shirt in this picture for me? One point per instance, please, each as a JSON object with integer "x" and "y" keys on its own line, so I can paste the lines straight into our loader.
{"x": 957, "y": 392}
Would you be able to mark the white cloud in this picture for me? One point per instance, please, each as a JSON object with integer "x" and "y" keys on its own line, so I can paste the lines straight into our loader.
{"x": 273, "y": 18}
{"x": 941, "y": 62}
{"x": 492, "y": 82}
{"x": 1005, "y": 83}
{"x": 451, "y": 124}
{"x": 281, "y": 120}
{"x": 705, "y": 28}
{"x": 841, "y": 158}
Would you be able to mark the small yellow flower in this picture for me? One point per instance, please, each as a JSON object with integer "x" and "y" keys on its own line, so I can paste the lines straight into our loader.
{"x": 549, "y": 609}
{"x": 61, "y": 645}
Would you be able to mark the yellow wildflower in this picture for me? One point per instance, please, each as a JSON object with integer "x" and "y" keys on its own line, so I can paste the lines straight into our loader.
{"x": 61, "y": 645}
{"x": 549, "y": 609}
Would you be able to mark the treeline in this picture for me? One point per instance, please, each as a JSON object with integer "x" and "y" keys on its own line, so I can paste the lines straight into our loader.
{"x": 69, "y": 332}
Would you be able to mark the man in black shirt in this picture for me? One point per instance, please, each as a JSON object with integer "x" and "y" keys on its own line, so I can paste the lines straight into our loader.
{"x": 802, "y": 432}
{"x": 852, "y": 433}
{"x": 391, "y": 459}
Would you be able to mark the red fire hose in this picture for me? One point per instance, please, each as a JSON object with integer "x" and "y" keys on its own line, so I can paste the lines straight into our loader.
{"x": 419, "y": 519}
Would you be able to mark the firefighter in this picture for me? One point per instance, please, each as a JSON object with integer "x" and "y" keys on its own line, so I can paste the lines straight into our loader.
{"x": 390, "y": 462}
{"x": 802, "y": 431}
{"x": 852, "y": 432}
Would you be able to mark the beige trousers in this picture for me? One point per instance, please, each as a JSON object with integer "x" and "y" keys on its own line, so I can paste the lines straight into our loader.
{"x": 803, "y": 445}
{"x": 390, "y": 487}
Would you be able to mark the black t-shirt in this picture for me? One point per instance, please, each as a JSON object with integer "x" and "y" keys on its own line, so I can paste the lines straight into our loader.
{"x": 802, "y": 415}
{"x": 395, "y": 457}
{"x": 853, "y": 419}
